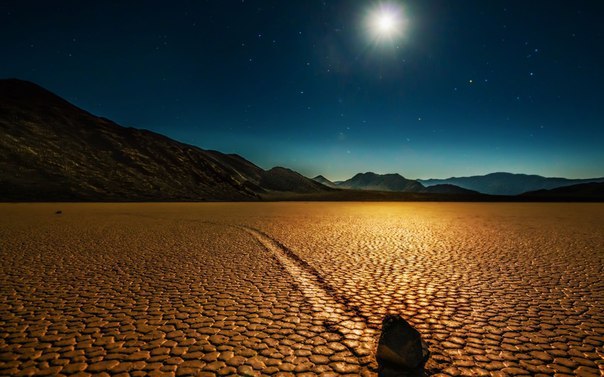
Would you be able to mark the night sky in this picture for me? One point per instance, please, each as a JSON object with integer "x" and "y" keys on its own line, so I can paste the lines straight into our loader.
{"x": 452, "y": 88}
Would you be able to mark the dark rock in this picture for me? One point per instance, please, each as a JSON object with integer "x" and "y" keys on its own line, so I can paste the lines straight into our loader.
{"x": 401, "y": 350}
{"x": 58, "y": 212}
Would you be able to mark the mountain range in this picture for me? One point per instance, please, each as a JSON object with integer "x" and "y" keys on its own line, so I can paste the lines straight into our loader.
{"x": 51, "y": 150}
{"x": 507, "y": 183}
{"x": 391, "y": 182}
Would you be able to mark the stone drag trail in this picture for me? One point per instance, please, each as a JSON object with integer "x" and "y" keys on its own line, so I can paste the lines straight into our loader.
{"x": 149, "y": 290}
{"x": 496, "y": 289}
{"x": 334, "y": 311}
{"x": 299, "y": 288}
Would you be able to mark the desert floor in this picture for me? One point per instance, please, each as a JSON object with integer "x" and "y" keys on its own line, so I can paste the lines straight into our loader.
{"x": 299, "y": 288}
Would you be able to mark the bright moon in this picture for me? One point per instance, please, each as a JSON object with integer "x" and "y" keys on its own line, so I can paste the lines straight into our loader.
{"x": 385, "y": 22}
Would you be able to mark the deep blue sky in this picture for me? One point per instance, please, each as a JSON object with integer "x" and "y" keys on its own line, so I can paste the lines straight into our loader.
{"x": 472, "y": 87}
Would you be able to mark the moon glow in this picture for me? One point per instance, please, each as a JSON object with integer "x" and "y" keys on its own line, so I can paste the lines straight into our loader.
{"x": 385, "y": 22}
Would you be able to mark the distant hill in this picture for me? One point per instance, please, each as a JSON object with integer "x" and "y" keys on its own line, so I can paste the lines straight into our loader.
{"x": 507, "y": 183}
{"x": 324, "y": 181}
{"x": 391, "y": 183}
{"x": 52, "y": 150}
{"x": 287, "y": 180}
{"x": 381, "y": 182}
{"x": 587, "y": 191}
{"x": 449, "y": 190}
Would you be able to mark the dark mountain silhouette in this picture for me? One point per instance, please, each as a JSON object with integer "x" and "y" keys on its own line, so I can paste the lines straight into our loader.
{"x": 587, "y": 191}
{"x": 52, "y": 150}
{"x": 391, "y": 183}
{"x": 283, "y": 179}
{"x": 324, "y": 181}
{"x": 381, "y": 182}
{"x": 507, "y": 183}
{"x": 449, "y": 189}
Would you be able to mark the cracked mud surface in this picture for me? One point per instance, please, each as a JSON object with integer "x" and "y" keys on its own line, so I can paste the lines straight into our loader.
{"x": 299, "y": 288}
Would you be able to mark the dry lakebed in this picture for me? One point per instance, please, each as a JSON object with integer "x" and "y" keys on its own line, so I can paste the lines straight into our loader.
{"x": 251, "y": 289}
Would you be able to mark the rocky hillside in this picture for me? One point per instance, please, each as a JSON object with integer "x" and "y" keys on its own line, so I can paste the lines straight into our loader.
{"x": 52, "y": 150}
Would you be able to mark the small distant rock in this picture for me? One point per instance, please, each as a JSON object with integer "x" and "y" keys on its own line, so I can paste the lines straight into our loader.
{"x": 58, "y": 212}
{"x": 401, "y": 350}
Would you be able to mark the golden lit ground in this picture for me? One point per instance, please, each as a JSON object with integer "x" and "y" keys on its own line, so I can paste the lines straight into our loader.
{"x": 299, "y": 288}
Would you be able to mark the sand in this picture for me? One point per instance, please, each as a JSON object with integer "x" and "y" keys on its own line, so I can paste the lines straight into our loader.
{"x": 299, "y": 288}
